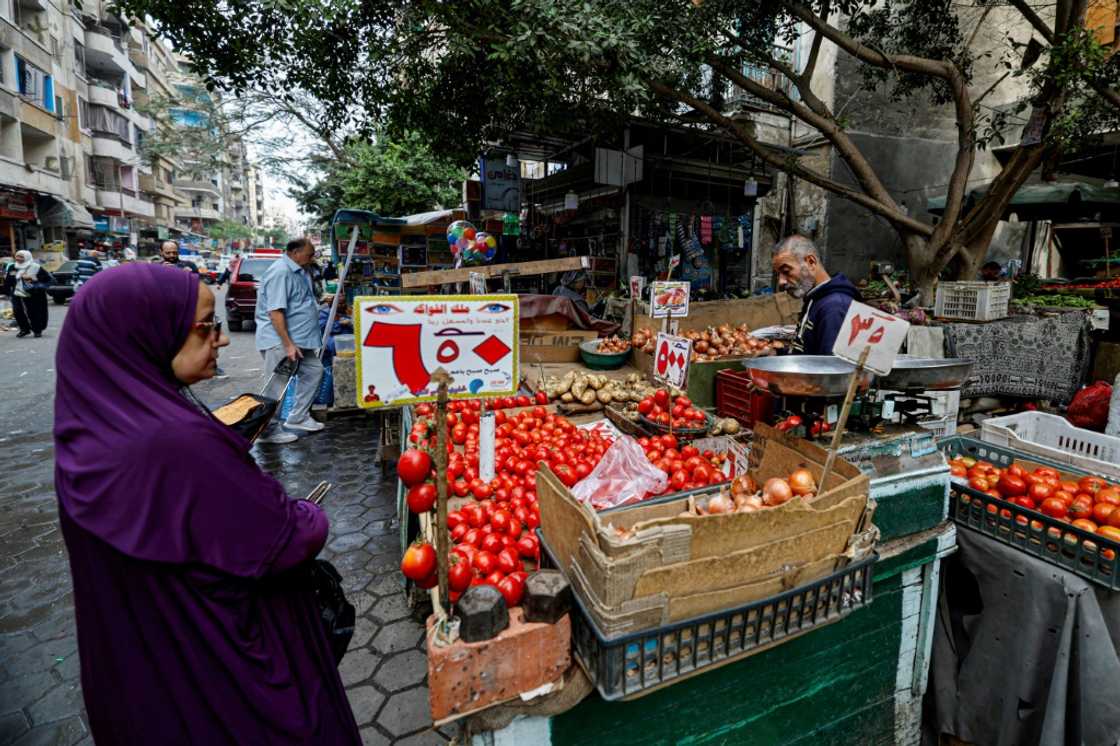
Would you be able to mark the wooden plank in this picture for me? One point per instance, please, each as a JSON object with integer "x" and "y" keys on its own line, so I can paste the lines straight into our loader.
{"x": 807, "y": 685}
{"x": 446, "y": 276}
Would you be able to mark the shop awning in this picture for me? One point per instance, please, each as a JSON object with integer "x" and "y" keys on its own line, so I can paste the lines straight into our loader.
{"x": 64, "y": 213}
{"x": 1059, "y": 200}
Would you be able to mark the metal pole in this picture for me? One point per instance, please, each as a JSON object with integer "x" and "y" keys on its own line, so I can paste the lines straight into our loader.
{"x": 339, "y": 290}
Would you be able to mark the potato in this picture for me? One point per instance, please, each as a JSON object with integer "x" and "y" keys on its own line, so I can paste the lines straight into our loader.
{"x": 604, "y": 396}
{"x": 567, "y": 397}
{"x": 730, "y": 426}
{"x": 588, "y": 397}
{"x": 578, "y": 387}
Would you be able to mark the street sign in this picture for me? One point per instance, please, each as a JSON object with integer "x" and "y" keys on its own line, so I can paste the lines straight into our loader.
{"x": 668, "y": 297}
{"x": 671, "y": 357}
{"x": 866, "y": 327}
{"x": 404, "y": 339}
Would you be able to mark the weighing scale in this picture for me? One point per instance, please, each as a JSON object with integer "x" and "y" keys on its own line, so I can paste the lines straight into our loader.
{"x": 813, "y": 387}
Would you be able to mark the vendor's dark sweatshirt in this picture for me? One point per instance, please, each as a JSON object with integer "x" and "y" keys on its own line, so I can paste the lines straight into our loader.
{"x": 822, "y": 313}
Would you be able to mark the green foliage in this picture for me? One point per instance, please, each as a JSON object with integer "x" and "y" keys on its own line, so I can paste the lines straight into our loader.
{"x": 392, "y": 176}
{"x": 229, "y": 229}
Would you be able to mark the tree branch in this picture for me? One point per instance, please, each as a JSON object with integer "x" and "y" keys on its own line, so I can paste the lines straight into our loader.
{"x": 966, "y": 156}
{"x": 864, "y": 53}
{"x": 1034, "y": 19}
{"x": 814, "y": 50}
{"x": 895, "y": 217}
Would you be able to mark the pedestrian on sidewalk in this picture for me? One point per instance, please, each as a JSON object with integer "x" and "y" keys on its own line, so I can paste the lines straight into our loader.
{"x": 191, "y": 628}
{"x": 169, "y": 256}
{"x": 26, "y": 282}
{"x": 287, "y": 319}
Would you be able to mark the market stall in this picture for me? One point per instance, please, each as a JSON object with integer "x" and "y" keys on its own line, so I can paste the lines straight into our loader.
{"x": 597, "y": 543}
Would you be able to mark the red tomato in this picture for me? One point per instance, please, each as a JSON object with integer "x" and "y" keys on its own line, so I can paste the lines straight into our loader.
{"x": 1025, "y": 502}
{"x": 1085, "y": 525}
{"x": 422, "y": 497}
{"x": 459, "y": 531}
{"x": 484, "y": 563}
{"x": 419, "y": 561}
{"x": 455, "y": 518}
{"x": 979, "y": 483}
{"x": 494, "y": 578}
{"x": 509, "y": 561}
{"x": 1011, "y": 484}
{"x": 491, "y": 543}
{"x": 472, "y": 512}
{"x": 661, "y": 398}
{"x": 1091, "y": 484}
{"x": 511, "y": 589}
{"x": 1064, "y": 496}
{"x": 1054, "y": 508}
{"x": 458, "y": 574}
{"x": 413, "y": 467}
{"x": 428, "y": 582}
{"x": 1101, "y": 511}
{"x": 1109, "y": 532}
{"x": 582, "y": 470}
{"x": 566, "y": 475}
{"x": 461, "y": 488}
{"x": 466, "y": 552}
{"x": 527, "y": 546}
{"x": 678, "y": 479}
{"x": 541, "y": 397}
{"x": 500, "y": 521}
{"x": 474, "y": 537}
{"x": 688, "y": 451}
{"x": 524, "y": 401}
{"x": 1109, "y": 495}
{"x": 1080, "y": 509}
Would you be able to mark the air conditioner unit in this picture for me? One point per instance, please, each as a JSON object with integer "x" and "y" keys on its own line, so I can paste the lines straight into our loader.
{"x": 51, "y": 163}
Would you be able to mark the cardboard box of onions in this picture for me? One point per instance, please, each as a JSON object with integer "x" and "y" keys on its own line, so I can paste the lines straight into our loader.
{"x": 645, "y": 565}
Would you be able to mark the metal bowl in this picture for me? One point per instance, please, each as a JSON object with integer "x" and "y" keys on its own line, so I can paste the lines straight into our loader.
{"x": 804, "y": 375}
{"x": 926, "y": 374}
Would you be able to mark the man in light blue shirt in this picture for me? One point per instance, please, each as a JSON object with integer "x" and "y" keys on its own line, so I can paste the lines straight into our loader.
{"x": 287, "y": 318}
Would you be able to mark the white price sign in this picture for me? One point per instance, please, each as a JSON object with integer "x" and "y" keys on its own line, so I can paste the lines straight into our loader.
{"x": 865, "y": 327}
{"x": 486, "y": 446}
{"x": 670, "y": 359}
{"x": 669, "y": 297}
{"x": 637, "y": 286}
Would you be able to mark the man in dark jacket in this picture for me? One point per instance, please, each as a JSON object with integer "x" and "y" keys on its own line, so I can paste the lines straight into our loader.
{"x": 824, "y": 300}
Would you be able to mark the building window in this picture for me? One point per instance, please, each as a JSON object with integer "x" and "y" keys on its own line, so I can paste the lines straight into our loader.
{"x": 83, "y": 113}
{"x": 106, "y": 122}
{"x": 90, "y": 179}
{"x": 34, "y": 84}
{"x": 80, "y": 59}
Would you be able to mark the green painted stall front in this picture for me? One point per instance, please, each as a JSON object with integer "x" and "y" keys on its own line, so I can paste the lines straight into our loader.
{"x": 836, "y": 685}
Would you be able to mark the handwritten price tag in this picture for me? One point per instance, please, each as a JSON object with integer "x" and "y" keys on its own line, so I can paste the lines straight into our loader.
{"x": 867, "y": 327}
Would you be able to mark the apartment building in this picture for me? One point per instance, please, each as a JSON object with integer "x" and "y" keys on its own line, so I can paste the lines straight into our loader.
{"x": 75, "y": 80}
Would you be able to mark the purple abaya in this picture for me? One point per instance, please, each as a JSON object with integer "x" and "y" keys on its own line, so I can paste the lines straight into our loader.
{"x": 176, "y": 539}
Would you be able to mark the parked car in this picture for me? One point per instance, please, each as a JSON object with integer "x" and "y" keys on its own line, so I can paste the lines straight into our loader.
{"x": 241, "y": 298}
{"x": 66, "y": 277}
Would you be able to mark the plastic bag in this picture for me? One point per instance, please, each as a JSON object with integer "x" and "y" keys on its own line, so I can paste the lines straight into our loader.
{"x": 1089, "y": 408}
{"x": 624, "y": 475}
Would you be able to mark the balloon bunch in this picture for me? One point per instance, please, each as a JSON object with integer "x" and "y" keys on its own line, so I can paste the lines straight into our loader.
{"x": 470, "y": 246}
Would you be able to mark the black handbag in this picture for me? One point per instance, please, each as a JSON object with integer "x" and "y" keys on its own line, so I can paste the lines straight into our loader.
{"x": 336, "y": 612}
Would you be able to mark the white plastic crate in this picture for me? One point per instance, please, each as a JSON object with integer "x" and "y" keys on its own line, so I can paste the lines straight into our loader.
{"x": 1053, "y": 437}
{"x": 972, "y": 301}
{"x": 942, "y": 427}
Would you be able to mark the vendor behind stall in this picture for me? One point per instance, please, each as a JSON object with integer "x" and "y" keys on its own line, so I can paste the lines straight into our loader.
{"x": 824, "y": 299}
{"x": 572, "y": 286}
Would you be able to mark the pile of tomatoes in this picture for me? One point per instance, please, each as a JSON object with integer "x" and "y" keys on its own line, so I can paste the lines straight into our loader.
{"x": 680, "y": 412}
{"x": 687, "y": 467}
{"x": 1090, "y": 503}
{"x": 493, "y": 533}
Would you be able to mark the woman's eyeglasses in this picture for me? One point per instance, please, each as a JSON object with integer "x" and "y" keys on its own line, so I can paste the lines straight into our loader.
{"x": 213, "y": 328}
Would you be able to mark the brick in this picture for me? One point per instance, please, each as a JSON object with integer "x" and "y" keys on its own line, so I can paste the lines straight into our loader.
{"x": 468, "y": 676}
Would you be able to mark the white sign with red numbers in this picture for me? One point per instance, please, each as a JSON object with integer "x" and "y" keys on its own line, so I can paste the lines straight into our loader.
{"x": 865, "y": 327}
{"x": 670, "y": 359}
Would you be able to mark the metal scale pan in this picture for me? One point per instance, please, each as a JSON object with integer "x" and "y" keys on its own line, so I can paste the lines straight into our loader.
{"x": 804, "y": 375}
{"x": 926, "y": 374}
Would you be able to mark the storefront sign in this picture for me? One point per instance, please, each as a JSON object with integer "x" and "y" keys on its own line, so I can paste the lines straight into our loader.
{"x": 17, "y": 205}
{"x": 404, "y": 339}
{"x": 671, "y": 357}
{"x": 867, "y": 327}
{"x": 501, "y": 183}
{"x": 668, "y": 297}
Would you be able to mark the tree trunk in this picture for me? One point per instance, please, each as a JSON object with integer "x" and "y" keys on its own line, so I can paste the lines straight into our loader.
{"x": 920, "y": 258}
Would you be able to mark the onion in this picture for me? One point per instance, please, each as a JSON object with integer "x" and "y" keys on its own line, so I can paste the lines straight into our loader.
{"x": 755, "y": 501}
{"x": 776, "y": 491}
{"x": 802, "y": 483}
{"x": 702, "y": 346}
{"x": 719, "y": 504}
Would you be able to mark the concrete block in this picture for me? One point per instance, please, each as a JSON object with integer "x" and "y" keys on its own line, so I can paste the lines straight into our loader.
{"x": 468, "y": 676}
{"x": 482, "y": 613}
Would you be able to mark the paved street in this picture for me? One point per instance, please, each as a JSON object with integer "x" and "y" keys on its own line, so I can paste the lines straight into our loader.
{"x": 40, "y": 698}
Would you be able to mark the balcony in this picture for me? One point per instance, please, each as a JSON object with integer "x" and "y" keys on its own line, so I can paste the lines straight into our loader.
{"x": 152, "y": 185}
{"x": 109, "y": 145}
{"x": 189, "y": 185}
{"x": 99, "y": 94}
{"x": 204, "y": 213}
{"x": 105, "y": 53}
{"x": 32, "y": 176}
{"x": 236, "y": 184}
{"x": 113, "y": 196}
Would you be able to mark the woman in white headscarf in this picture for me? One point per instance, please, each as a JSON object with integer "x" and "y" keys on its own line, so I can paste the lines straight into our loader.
{"x": 26, "y": 281}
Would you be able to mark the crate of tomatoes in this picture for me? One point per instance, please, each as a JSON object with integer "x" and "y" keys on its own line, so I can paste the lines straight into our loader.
{"x": 1048, "y": 510}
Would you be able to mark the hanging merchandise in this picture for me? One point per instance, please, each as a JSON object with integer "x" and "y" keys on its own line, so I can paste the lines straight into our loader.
{"x": 746, "y": 230}
{"x": 511, "y": 224}
{"x": 705, "y": 229}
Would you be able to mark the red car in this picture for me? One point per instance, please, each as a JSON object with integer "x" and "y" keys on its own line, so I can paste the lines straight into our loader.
{"x": 241, "y": 299}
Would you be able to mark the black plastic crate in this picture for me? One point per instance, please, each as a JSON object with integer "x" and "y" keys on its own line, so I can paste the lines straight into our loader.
{"x": 1082, "y": 552}
{"x": 628, "y": 666}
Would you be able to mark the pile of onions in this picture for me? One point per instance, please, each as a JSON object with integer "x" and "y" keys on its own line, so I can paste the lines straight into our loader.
{"x": 744, "y": 496}
{"x": 715, "y": 342}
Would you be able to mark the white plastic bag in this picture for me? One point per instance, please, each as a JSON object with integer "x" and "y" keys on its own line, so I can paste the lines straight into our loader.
{"x": 624, "y": 475}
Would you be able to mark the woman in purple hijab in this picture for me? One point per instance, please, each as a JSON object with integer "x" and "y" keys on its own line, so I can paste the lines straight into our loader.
{"x": 178, "y": 542}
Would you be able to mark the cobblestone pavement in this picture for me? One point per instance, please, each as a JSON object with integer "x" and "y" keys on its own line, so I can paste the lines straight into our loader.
{"x": 385, "y": 670}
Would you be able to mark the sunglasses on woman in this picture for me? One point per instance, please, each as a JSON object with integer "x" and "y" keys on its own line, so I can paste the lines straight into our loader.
{"x": 213, "y": 328}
